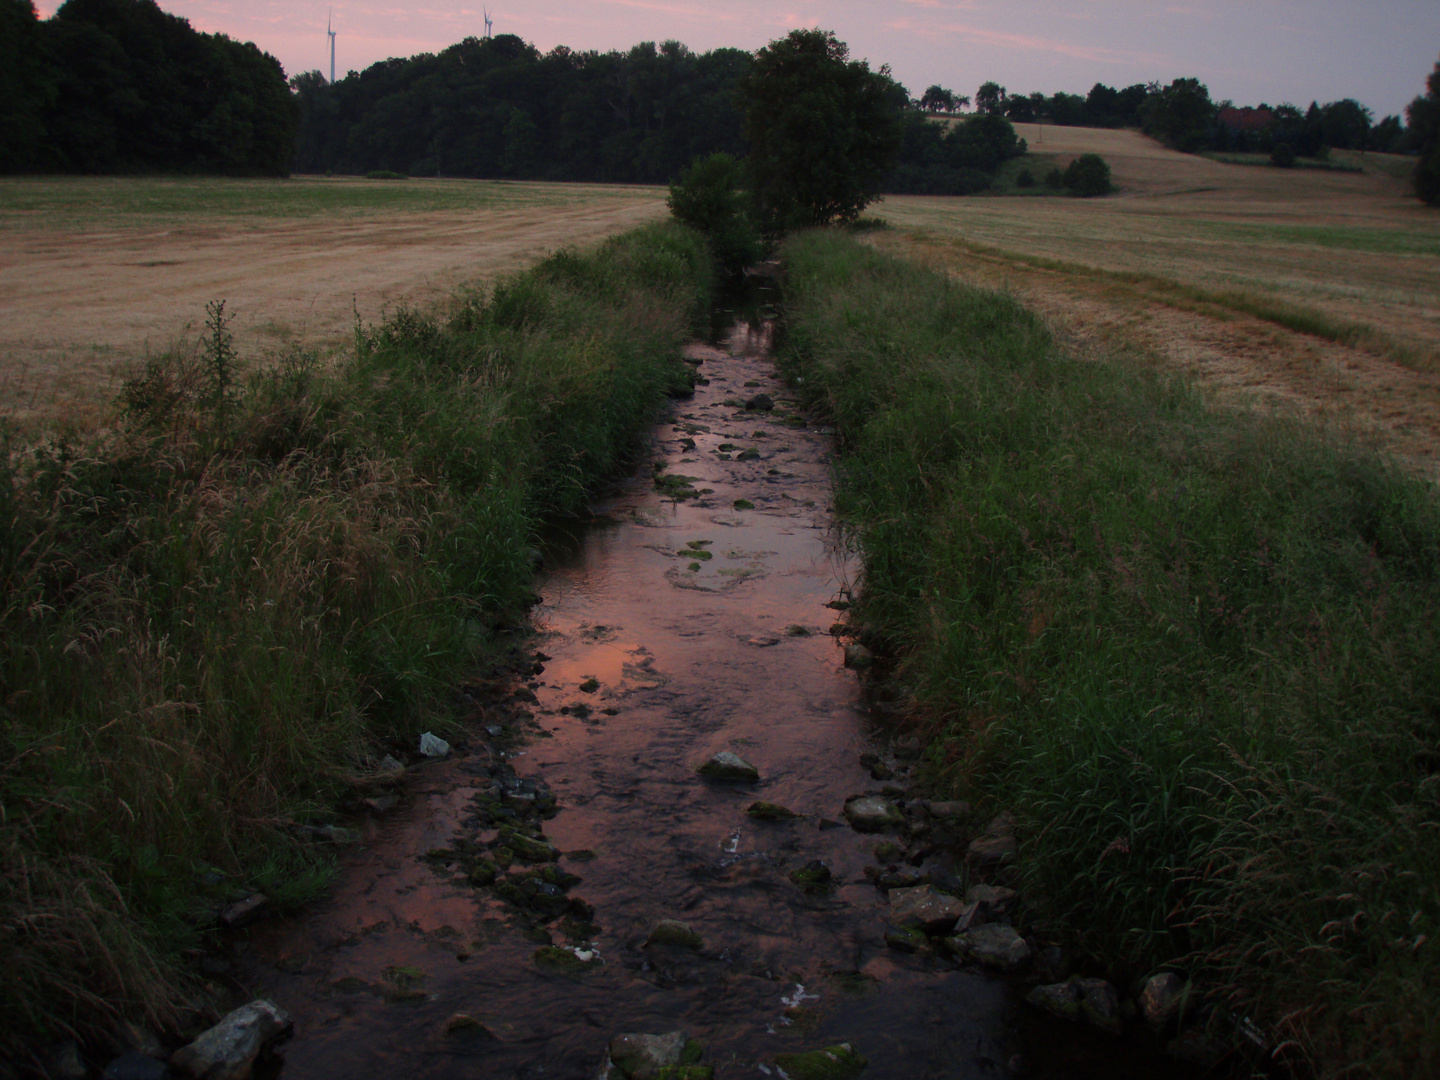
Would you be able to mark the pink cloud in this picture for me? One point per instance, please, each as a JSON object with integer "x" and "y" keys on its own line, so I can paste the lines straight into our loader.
{"x": 1026, "y": 43}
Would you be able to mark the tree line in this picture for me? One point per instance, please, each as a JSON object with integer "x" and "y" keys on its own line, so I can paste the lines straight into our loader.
{"x": 1182, "y": 115}
{"x": 499, "y": 108}
{"x": 119, "y": 86}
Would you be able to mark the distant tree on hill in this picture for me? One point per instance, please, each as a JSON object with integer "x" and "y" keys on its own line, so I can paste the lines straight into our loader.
{"x": 990, "y": 99}
{"x": 1423, "y": 115}
{"x": 938, "y": 99}
{"x": 1180, "y": 115}
{"x": 1346, "y": 124}
{"x": 824, "y": 130}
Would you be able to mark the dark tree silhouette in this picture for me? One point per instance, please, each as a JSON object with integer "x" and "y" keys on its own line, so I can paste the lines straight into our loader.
{"x": 824, "y": 130}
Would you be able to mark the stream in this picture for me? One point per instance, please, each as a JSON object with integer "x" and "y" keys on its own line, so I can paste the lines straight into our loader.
{"x": 670, "y": 628}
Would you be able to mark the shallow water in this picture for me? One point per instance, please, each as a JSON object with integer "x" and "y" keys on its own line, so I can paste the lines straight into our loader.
{"x": 691, "y": 656}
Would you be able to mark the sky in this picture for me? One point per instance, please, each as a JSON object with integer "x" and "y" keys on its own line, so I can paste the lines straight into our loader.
{"x": 1247, "y": 51}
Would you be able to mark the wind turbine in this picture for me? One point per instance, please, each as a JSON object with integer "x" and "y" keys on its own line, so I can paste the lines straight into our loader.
{"x": 489, "y": 22}
{"x": 331, "y": 33}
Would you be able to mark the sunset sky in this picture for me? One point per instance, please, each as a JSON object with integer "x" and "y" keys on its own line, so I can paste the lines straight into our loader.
{"x": 1249, "y": 51}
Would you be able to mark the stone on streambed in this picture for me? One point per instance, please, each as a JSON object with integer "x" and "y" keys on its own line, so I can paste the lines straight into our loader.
{"x": 906, "y": 939}
{"x": 994, "y": 899}
{"x": 760, "y": 402}
{"x": 228, "y": 1050}
{"x": 1092, "y": 1000}
{"x": 674, "y": 932}
{"x": 993, "y": 945}
{"x": 872, "y": 813}
{"x": 838, "y": 1062}
{"x": 925, "y": 909}
{"x": 769, "y": 811}
{"x": 527, "y": 849}
{"x": 1161, "y": 998}
{"x": 672, "y": 1056}
{"x": 858, "y": 657}
{"x": 431, "y": 745}
{"x": 567, "y": 961}
{"x": 729, "y": 766}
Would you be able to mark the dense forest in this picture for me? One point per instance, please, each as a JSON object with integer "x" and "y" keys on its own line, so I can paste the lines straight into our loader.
{"x": 119, "y": 86}
{"x": 497, "y": 107}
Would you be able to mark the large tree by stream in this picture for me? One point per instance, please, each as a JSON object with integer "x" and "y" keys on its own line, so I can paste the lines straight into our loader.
{"x": 824, "y": 130}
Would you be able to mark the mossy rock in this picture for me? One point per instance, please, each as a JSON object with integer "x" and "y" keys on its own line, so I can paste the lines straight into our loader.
{"x": 748, "y": 455}
{"x": 696, "y": 553}
{"x": 686, "y": 1072}
{"x": 906, "y": 939}
{"x": 566, "y": 961}
{"x": 769, "y": 811}
{"x": 743, "y": 504}
{"x": 589, "y": 686}
{"x": 813, "y": 877}
{"x": 887, "y": 851}
{"x": 674, "y": 932}
{"x": 838, "y": 1062}
{"x": 482, "y": 872}
{"x": 527, "y": 849}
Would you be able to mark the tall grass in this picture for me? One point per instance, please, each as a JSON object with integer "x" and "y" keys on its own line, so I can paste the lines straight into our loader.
{"x": 1194, "y": 650}
{"x": 222, "y": 610}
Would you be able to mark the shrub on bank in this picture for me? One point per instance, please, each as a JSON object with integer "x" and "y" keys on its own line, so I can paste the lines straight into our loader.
{"x": 1088, "y": 176}
{"x": 222, "y": 610}
{"x": 1193, "y": 650}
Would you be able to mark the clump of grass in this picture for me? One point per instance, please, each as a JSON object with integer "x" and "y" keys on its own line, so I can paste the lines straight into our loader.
{"x": 1192, "y": 649}
{"x": 243, "y": 592}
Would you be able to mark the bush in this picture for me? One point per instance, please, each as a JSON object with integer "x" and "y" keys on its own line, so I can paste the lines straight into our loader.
{"x": 1088, "y": 176}
{"x": 707, "y": 197}
{"x": 1054, "y": 179}
{"x": 1283, "y": 155}
{"x": 385, "y": 174}
{"x": 1026, "y": 179}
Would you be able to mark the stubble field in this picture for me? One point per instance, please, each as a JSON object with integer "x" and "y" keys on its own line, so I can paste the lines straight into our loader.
{"x": 1311, "y": 290}
{"x": 98, "y": 273}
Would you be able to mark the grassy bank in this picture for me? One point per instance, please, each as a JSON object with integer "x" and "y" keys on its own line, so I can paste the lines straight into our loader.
{"x": 222, "y": 610}
{"x": 1194, "y": 650}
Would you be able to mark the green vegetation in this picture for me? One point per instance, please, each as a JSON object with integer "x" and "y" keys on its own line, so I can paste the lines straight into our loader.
{"x": 1088, "y": 176}
{"x": 119, "y": 86}
{"x": 707, "y": 197}
{"x": 1192, "y": 649}
{"x": 1424, "y": 116}
{"x": 824, "y": 130}
{"x": 219, "y": 613}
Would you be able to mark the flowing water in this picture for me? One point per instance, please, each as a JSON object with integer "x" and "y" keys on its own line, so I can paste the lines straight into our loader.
{"x": 670, "y": 629}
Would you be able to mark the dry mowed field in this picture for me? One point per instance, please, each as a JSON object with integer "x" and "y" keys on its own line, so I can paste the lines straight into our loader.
{"x": 1167, "y": 266}
{"x": 97, "y": 273}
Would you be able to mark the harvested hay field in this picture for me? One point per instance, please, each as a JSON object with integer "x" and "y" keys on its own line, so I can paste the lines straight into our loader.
{"x": 97, "y": 273}
{"x": 1302, "y": 289}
